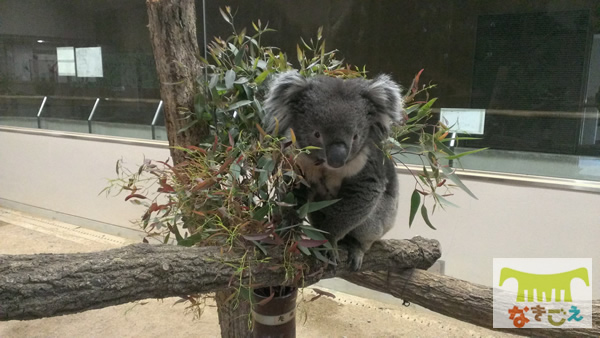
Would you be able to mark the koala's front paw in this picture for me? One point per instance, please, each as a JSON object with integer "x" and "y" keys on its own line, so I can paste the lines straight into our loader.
{"x": 355, "y": 258}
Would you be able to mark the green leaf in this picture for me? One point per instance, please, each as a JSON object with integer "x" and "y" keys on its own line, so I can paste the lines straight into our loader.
{"x": 261, "y": 212}
{"x": 300, "y": 54}
{"x": 261, "y": 247}
{"x": 235, "y": 170}
{"x": 290, "y": 198}
{"x": 311, "y": 228}
{"x": 238, "y": 104}
{"x": 313, "y": 233}
{"x": 238, "y": 57}
{"x": 188, "y": 126}
{"x": 426, "y": 217}
{"x": 458, "y": 138}
{"x": 465, "y": 154}
{"x": 304, "y": 250}
{"x": 193, "y": 239}
{"x": 412, "y": 108}
{"x": 241, "y": 80}
{"x": 261, "y": 77}
{"x": 415, "y": 201}
{"x": 322, "y": 258}
{"x": 229, "y": 78}
{"x": 314, "y": 206}
{"x": 441, "y": 146}
{"x": 214, "y": 79}
{"x": 423, "y": 111}
{"x": 444, "y": 201}
{"x": 454, "y": 178}
{"x": 225, "y": 16}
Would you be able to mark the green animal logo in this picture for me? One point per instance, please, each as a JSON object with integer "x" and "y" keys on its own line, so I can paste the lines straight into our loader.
{"x": 544, "y": 283}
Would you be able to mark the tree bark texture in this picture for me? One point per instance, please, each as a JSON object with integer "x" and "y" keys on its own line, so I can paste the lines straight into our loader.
{"x": 45, "y": 285}
{"x": 468, "y": 302}
{"x": 233, "y": 316}
{"x": 36, "y": 286}
{"x": 172, "y": 25}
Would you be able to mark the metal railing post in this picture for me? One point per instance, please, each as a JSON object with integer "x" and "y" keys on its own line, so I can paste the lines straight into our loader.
{"x": 39, "y": 114}
{"x": 92, "y": 115}
{"x": 160, "y": 104}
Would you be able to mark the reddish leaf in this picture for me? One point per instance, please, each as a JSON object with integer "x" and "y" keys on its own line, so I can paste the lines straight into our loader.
{"x": 204, "y": 184}
{"x": 415, "y": 83}
{"x": 268, "y": 299}
{"x": 297, "y": 277}
{"x": 231, "y": 140}
{"x": 225, "y": 166}
{"x": 294, "y": 248}
{"x": 164, "y": 186}
{"x": 199, "y": 213}
{"x": 256, "y": 237}
{"x": 311, "y": 243}
{"x": 197, "y": 149}
{"x": 214, "y": 148}
{"x": 142, "y": 197}
{"x": 260, "y": 130}
{"x": 321, "y": 293}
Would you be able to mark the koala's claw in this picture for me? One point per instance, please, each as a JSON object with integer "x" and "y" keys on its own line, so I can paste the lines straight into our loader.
{"x": 355, "y": 259}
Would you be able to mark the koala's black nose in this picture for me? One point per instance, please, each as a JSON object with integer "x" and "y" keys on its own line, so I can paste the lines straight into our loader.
{"x": 336, "y": 155}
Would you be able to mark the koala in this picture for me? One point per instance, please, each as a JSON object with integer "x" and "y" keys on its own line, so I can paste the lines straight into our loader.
{"x": 347, "y": 120}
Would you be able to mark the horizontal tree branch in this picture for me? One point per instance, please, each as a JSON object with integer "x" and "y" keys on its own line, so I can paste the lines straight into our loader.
{"x": 468, "y": 302}
{"x": 45, "y": 285}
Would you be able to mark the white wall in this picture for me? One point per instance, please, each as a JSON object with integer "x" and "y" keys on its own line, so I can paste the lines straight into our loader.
{"x": 507, "y": 221}
{"x": 65, "y": 175}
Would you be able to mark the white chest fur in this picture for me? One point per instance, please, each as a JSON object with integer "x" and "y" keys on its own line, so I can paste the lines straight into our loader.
{"x": 326, "y": 181}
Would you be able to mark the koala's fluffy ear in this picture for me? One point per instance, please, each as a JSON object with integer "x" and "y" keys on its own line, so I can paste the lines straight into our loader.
{"x": 284, "y": 89}
{"x": 387, "y": 98}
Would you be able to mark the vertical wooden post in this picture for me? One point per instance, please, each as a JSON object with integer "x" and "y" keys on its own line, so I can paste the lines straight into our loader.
{"x": 172, "y": 25}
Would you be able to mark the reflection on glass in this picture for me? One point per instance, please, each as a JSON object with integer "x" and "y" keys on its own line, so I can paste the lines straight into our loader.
{"x": 533, "y": 66}
{"x": 74, "y": 53}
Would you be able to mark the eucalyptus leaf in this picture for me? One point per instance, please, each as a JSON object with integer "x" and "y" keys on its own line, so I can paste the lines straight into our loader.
{"x": 261, "y": 212}
{"x": 426, "y": 217}
{"x": 229, "y": 78}
{"x": 454, "y": 178}
{"x": 465, "y": 154}
{"x": 415, "y": 202}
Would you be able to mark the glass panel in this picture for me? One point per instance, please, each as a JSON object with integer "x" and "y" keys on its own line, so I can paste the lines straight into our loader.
{"x": 74, "y": 52}
{"x": 19, "y": 111}
{"x": 533, "y": 66}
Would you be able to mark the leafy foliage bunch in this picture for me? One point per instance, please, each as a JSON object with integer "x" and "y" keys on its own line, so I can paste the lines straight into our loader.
{"x": 237, "y": 188}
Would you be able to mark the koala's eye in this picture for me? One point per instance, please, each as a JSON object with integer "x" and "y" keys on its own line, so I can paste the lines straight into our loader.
{"x": 355, "y": 137}
{"x": 317, "y": 134}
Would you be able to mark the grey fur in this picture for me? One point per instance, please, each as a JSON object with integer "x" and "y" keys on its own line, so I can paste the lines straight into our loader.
{"x": 348, "y": 120}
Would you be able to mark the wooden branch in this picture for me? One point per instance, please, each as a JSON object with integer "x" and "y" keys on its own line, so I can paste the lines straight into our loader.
{"x": 44, "y": 285}
{"x": 172, "y": 25}
{"x": 468, "y": 302}
{"x": 36, "y": 286}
